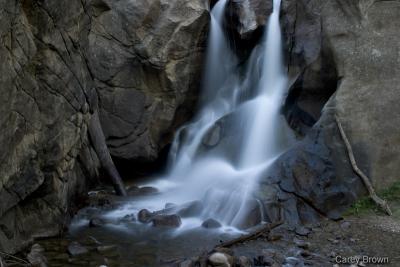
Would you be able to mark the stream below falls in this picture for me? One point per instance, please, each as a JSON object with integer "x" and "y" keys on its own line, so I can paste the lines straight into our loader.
{"x": 215, "y": 161}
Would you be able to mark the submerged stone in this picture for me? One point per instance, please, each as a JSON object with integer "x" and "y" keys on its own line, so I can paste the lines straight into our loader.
{"x": 191, "y": 209}
{"x": 145, "y": 216}
{"x": 97, "y": 222}
{"x": 211, "y": 223}
{"x": 128, "y": 218}
{"x": 173, "y": 221}
{"x": 76, "y": 249}
{"x": 148, "y": 190}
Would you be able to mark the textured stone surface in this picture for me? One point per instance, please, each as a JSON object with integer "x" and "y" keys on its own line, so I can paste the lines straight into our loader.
{"x": 142, "y": 58}
{"x": 350, "y": 48}
{"x": 146, "y": 58}
{"x": 245, "y": 21}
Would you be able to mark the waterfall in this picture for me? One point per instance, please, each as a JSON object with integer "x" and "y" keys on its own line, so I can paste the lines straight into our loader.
{"x": 262, "y": 140}
{"x": 222, "y": 176}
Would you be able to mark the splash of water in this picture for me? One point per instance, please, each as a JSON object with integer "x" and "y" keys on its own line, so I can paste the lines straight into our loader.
{"x": 222, "y": 176}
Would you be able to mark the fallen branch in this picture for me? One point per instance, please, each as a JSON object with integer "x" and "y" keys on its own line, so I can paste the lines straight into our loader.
{"x": 251, "y": 236}
{"x": 100, "y": 146}
{"x": 1, "y": 262}
{"x": 380, "y": 202}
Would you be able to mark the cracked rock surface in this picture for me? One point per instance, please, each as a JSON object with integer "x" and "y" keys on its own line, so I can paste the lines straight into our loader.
{"x": 141, "y": 58}
{"x": 343, "y": 58}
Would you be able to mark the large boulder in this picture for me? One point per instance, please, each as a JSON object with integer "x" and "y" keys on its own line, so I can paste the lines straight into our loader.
{"x": 343, "y": 60}
{"x": 143, "y": 60}
{"x": 146, "y": 60}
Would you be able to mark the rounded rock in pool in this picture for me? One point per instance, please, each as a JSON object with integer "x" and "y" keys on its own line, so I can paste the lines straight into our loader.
{"x": 170, "y": 221}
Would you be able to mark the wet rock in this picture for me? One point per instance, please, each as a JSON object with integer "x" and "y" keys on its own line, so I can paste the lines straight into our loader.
{"x": 129, "y": 218}
{"x": 191, "y": 209}
{"x": 97, "y": 222}
{"x": 76, "y": 249}
{"x": 133, "y": 191}
{"x": 253, "y": 216}
{"x": 244, "y": 262}
{"x": 211, "y": 223}
{"x": 219, "y": 259}
{"x": 36, "y": 256}
{"x": 101, "y": 203}
{"x": 302, "y": 231}
{"x": 173, "y": 221}
{"x": 213, "y": 136}
{"x": 145, "y": 216}
{"x": 246, "y": 22}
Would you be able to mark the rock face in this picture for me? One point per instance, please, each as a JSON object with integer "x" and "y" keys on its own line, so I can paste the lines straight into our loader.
{"x": 146, "y": 58}
{"x": 138, "y": 60}
{"x": 343, "y": 59}
{"x": 245, "y": 21}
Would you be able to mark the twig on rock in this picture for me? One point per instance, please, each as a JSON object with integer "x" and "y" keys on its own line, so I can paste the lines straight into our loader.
{"x": 251, "y": 236}
{"x": 380, "y": 202}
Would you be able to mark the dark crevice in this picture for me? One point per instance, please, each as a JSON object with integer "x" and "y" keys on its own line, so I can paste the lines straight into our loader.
{"x": 310, "y": 92}
{"x": 139, "y": 169}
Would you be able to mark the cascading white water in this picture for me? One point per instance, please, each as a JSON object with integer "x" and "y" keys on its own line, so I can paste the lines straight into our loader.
{"x": 224, "y": 182}
{"x": 262, "y": 140}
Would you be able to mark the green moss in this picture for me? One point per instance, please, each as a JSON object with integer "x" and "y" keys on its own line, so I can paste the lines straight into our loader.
{"x": 392, "y": 193}
{"x": 366, "y": 205}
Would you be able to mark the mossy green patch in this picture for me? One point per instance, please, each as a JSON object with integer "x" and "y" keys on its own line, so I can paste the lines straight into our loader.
{"x": 366, "y": 205}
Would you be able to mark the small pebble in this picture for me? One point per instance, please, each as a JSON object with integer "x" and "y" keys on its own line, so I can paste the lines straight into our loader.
{"x": 302, "y": 244}
{"x": 345, "y": 225}
{"x": 302, "y": 231}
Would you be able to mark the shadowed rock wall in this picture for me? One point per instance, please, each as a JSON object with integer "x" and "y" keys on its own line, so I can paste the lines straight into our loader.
{"x": 143, "y": 60}
{"x": 343, "y": 58}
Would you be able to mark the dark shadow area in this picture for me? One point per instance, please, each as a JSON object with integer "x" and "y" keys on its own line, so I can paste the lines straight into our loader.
{"x": 132, "y": 170}
{"x": 310, "y": 92}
